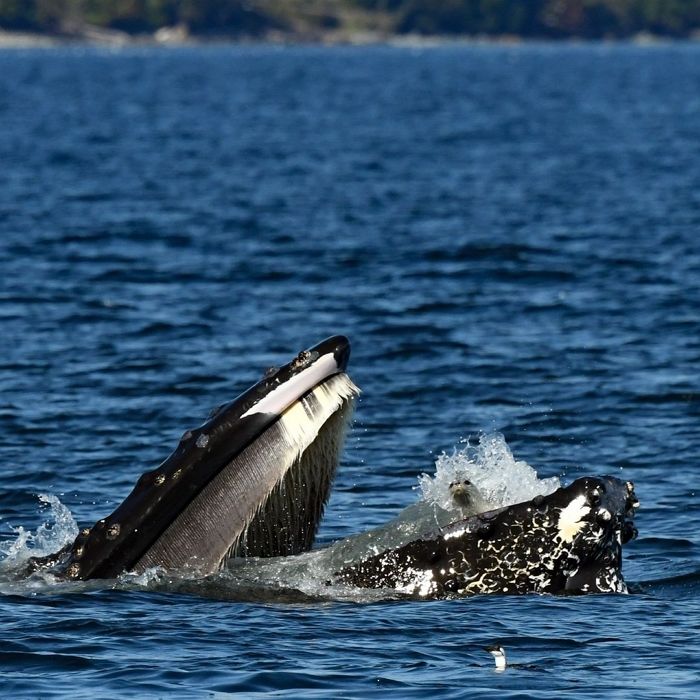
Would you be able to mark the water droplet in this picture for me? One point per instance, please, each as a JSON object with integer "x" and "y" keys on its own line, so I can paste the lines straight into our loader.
{"x": 203, "y": 440}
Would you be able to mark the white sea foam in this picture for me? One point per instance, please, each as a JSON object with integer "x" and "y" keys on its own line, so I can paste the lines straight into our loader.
{"x": 490, "y": 466}
{"x": 59, "y": 530}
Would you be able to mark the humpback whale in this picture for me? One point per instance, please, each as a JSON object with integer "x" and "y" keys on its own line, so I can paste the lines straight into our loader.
{"x": 569, "y": 541}
{"x": 253, "y": 481}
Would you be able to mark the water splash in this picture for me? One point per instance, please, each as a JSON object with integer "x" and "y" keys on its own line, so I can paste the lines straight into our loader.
{"x": 489, "y": 464}
{"x": 500, "y": 479}
{"x": 59, "y": 530}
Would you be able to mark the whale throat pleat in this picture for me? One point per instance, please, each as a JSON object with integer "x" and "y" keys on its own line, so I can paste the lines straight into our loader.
{"x": 268, "y": 501}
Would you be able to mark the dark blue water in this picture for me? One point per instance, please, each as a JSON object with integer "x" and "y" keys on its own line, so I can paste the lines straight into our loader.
{"x": 509, "y": 236}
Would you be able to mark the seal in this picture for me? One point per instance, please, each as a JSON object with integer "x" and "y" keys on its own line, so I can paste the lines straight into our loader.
{"x": 467, "y": 497}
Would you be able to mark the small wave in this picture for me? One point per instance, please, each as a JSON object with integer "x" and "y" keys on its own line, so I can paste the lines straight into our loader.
{"x": 59, "y": 530}
{"x": 688, "y": 582}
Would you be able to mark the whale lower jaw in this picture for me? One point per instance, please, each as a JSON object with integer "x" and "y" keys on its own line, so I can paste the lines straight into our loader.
{"x": 567, "y": 542}
{"x": 252, "y": 480}
{"x": 269, "y": 500}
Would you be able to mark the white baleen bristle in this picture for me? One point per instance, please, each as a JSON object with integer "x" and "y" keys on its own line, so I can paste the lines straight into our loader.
{"x": 302, "y": 421}
{"x": 303, "y": 448}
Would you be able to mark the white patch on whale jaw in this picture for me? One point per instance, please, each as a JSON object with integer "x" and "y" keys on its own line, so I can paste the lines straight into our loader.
{"x": 571, "y": 517}
{"x": 418, "y": 582}
{"x": 285, "y": 395}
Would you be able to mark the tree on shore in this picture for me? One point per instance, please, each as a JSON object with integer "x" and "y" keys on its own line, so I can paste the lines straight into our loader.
{"x": 589, "y": 19}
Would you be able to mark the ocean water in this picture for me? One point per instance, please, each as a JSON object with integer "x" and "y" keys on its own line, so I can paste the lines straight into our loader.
{"x": 509, "y": 237}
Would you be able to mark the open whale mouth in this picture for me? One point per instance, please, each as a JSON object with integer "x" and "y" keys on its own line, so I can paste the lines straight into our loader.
{"x": 567, "y": 542}
{"x": 253, "y": 480}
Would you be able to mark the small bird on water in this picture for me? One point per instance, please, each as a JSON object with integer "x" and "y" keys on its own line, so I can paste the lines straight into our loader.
{"x": 499, "y": 656}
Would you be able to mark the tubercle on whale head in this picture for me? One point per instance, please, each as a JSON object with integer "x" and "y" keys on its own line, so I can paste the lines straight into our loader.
{"x": 336, "y": 345}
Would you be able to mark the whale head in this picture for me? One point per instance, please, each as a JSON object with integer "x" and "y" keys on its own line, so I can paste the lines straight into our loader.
{"x": 252, "y": 480}
{"x": 567, "y": 542}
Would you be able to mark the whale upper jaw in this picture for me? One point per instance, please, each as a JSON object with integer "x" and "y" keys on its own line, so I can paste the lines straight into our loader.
{"x": 253, "y": 479}
{"x": 567, "y": 542}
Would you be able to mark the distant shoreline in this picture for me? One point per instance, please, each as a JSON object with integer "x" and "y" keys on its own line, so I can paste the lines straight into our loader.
{"x": 174, "y": 37}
